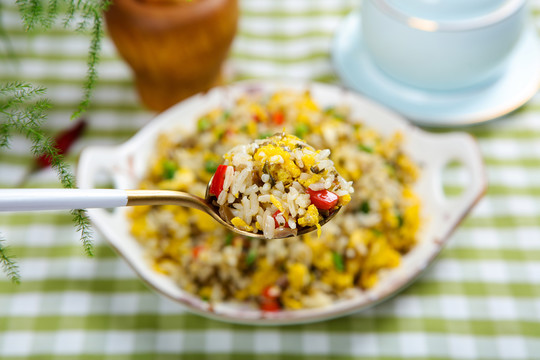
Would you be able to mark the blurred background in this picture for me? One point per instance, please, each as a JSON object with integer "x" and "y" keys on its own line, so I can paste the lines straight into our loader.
{"x": 480, "y": 300}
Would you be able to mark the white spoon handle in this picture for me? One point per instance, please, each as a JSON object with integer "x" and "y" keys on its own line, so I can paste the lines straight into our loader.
{"x": 60, "y": 199}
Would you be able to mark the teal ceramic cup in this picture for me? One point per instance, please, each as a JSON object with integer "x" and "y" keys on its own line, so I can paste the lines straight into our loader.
{"x": 442, "y": 44}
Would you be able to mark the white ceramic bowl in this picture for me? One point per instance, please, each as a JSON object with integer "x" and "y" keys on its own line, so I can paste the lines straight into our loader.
{"x": 127, "y": 163}
{"x": 445, "y": 44}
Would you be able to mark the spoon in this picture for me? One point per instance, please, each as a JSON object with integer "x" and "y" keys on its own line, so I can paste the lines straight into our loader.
{"x": 65, "y": 199}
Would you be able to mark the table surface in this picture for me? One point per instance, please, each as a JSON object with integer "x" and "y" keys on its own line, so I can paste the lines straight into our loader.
{"x": 481, "y": 299}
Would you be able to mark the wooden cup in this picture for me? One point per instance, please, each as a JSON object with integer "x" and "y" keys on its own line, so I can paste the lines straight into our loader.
{"x": 176, "y": 48}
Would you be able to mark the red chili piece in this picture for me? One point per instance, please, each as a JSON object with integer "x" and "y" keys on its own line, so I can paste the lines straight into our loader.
{"x": 323, "y": 199}
{"x": 278, "y": 118}
{"x": 63, "y": 142}
{"x": 275, "y": 219}
{"x": 197, "y": 250}
{"x": 270, "y": 305}
{"x": 216, "y": 187}
{"x": 266, "y": 292}
{"x": 269, "y": 302}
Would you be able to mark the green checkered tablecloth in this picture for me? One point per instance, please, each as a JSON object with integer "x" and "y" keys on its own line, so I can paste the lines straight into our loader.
{"x": 481, "y": 299}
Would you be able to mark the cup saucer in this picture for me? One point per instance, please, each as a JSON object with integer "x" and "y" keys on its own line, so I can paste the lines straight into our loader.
{"x": 437, "y": 108}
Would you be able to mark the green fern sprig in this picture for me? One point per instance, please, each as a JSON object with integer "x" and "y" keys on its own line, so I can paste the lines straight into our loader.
{"x": 93, "y": 59}
{"x": 69, "y": 13}
{"x": 19, "y": 115}
{"x": 82, "y": 223}
{"x": 8, "y": 264}
{"x": 31, "y": 13}
{"x": 5, "y": 136}
{"x": 90, "y": 18}
{"x": 15, "y": 93}
{"x": 52, "y": 14}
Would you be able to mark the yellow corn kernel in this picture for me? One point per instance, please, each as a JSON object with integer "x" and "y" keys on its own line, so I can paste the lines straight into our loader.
{"x": 264, "y": 276}
{"x": 324, "y": 261}
{"x": 289, "y": 300}
{"x": 205, "y": 292}
{"x": 181, "y": 215}
{"x": 343, "y": 280}
{"x": 361, "y": 238}
{"x": 408, "y": 167}
{"x": 382, "y": 255}
{"x": 328, "y": 276}
{"x": 353, "y": 265}
{"x": 139, "y": 228}
{"x": 139, "y": 211}
{"x": 170, "y": 208}
{"x": 368, "y": 279}
{"x": 163, "y": 266}
{"x": 173, "y": 248}
{"x": 156, "y": 267}
{"x": 205, "y": 221}
{"x": 252, "y": 129}
{"x": 344, "y": 200}
{"x": 297, "y": 275}
{"x": 241, "y": 294}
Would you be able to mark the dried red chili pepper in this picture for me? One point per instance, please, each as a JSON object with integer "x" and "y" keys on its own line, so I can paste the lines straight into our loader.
{"x": 63, "y": 142}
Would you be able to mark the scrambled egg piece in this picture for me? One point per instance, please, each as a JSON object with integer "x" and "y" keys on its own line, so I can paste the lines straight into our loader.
{"x": 344, "y": 200}
{"x": 298, "y": 275}
{"x": 241, "y": 224}
{"x": 265, "y": 275}
{"x": 277, "y": 204}
{"x": 290, "y": 300}
{"x": 283, "y": 172}
{"x": 311, "y": 218}
{"x": 312, "y": 180}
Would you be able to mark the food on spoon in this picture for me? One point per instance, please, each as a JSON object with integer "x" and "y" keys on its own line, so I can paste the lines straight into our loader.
{"x": 363, "y": 242}
{"x": 277, "y": 186}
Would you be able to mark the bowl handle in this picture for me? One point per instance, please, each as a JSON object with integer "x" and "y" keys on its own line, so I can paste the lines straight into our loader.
{"x": 94, "y": 160}
{"x": 463, "y": 148}
{"x": 97, "y": 161}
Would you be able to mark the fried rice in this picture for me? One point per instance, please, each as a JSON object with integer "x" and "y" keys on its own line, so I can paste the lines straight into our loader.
{"x": 363, "y": 242}
{"x": 278, "y": 185}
